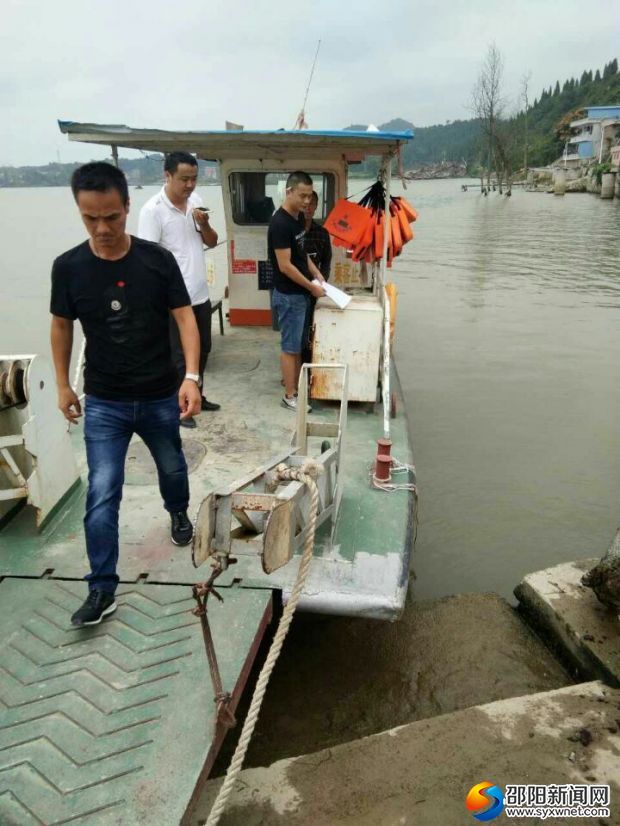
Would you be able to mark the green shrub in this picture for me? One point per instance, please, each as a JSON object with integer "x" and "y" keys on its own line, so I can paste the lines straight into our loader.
{"x": 600, "y": 169}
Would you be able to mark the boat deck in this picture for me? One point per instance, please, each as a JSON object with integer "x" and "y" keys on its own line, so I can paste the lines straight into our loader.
{"x": 115, "y": 724}
{"x": 364, "y": 573}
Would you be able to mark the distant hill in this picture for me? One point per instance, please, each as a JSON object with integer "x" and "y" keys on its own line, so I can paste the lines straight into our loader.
{"x": 455, "y": 141}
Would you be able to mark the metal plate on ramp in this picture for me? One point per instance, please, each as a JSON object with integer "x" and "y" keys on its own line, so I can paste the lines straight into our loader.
{"x": 113, "y": 724}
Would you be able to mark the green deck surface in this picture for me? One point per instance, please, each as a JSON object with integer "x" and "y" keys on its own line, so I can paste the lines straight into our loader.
{"x": 114, "y": 724}
{"x": 243, "y": 375}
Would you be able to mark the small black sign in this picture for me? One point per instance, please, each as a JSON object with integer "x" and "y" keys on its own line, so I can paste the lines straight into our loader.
{"x": 265, "y": 275}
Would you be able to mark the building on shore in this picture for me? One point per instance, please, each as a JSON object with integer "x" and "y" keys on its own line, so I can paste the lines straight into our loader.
{"x": 593, "y": 136}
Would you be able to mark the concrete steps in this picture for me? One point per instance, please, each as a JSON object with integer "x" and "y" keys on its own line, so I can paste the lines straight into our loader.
{"x": 420, "y": 773}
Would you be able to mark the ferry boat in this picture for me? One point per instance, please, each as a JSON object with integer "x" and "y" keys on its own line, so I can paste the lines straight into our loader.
{"x": 116, "y": 724}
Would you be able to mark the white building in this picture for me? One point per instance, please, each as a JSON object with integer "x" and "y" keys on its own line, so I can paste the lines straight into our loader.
{"x": 593, "y": 136}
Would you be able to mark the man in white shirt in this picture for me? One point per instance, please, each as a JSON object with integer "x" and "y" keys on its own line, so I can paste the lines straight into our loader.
{"x": 176, "y": 219}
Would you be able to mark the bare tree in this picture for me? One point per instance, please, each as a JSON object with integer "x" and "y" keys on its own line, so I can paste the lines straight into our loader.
{"x": 487, "y": 100}
{"x": 505, "y": 153}
{"x": 525, "y": 85}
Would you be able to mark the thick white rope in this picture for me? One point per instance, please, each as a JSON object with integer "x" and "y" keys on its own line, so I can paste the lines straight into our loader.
{"x": 303, "y": 474}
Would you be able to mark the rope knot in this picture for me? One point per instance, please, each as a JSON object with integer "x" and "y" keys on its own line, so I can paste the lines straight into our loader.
{"x": 312, "y": 468}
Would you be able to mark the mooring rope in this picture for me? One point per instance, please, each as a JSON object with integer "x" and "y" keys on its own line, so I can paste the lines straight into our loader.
{"x": 390, "y": 487}
{"x": 305, "y": 475}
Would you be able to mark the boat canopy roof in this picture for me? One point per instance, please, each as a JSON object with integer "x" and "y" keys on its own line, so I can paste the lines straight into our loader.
{"x": 221, "y": 145}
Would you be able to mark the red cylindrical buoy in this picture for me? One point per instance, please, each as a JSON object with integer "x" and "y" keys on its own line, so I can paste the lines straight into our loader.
{"x": 382, "y": 467}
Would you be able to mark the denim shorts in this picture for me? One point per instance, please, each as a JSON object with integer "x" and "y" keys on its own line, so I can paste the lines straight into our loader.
{"x": 291, "y": 309}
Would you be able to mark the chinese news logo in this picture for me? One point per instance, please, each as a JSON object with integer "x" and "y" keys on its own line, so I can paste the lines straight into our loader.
{"x": 485, "y": 801}
{"x": 567, "y": 800}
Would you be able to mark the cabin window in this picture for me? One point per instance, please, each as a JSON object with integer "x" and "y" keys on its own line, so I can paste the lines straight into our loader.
{"x": 255, "y": 196}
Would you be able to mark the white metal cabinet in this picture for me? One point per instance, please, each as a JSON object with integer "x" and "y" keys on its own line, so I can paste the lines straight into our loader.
{"x": 352, "y": 337}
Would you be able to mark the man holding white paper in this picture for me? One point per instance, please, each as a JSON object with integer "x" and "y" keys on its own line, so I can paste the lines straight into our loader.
{"x": 339, "y": 297}
{"x": 294, "y": 272}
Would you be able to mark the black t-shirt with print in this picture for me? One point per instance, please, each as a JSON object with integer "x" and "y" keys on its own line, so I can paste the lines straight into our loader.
{"x": 124, "y": 309}
{"x": 286, "y": 232}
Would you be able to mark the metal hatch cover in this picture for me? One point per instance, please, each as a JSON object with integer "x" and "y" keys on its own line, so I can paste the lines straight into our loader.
{"x": 113, "y": 724}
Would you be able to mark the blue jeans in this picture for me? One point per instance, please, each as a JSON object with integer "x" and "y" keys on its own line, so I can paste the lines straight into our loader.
{"x": 292, "y": 310}
{"x": 108, "y": 428}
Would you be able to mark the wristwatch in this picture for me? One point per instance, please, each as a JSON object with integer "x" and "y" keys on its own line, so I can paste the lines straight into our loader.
{"x": 193, "y": 377}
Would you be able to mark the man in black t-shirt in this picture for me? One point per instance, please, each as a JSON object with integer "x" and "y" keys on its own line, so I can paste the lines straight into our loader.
{"x": 122, "y": 290}
{"x": 319, "y": 248}
{"x": 318, "y": 242}
{"x": 295, "y": 277}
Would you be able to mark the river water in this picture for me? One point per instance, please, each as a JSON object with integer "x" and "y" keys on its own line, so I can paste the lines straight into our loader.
{"x": 508, "y": 343}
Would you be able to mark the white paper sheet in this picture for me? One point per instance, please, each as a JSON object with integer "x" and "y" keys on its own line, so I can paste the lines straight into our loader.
{"x": 340, "y": 298}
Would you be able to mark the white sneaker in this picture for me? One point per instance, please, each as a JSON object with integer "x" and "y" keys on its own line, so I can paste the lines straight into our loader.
{"x": 291, "y": 404}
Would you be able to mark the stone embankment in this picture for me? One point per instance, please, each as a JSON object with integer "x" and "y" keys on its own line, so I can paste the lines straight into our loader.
{"x": 583, "y": 178}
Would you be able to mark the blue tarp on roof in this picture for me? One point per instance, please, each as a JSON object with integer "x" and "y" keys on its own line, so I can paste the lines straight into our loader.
{"x": 66, "y": 126}
{"x": 226, "y": 144}
{"x": 611, "y": 111}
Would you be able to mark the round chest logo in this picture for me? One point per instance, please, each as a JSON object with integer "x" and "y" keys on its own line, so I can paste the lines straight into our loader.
{"x": 116, "y": 305}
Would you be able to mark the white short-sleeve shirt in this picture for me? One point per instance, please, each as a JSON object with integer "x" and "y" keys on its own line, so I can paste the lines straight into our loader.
{"x": 162, "y": 222}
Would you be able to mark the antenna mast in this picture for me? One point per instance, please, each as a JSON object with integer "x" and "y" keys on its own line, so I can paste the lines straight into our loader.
{"x": 300, "y": 123}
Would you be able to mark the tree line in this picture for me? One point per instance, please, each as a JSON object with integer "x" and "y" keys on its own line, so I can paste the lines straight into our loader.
{"x": 528, "y": 128}
{"x": 536, "y": 132}
{"x": 139, "y": 171}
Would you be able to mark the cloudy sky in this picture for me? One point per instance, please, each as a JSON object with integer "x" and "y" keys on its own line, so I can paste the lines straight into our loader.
{"x": 194, "y": 64}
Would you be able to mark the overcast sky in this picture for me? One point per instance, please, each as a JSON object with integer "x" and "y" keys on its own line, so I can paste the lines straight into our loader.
{"x": 194, "y": 64}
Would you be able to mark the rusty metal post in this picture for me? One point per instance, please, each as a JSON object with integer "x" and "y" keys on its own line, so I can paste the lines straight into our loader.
{"x": 223, "y": 699}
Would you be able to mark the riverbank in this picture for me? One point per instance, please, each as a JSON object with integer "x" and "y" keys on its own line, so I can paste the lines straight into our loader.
{"x": 594, "y": 178}
{"x": 421, "y": 773}
{"x": 437, "y": 171}
{"x": 340, "y": 679}
{"x": 460, "y": 691}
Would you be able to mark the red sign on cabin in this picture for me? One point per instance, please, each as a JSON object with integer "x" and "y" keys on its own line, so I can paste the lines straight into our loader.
{"x": 242, "y": 266}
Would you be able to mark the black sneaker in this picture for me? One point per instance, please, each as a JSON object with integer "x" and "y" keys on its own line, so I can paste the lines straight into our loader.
{"x": 205, "y": 404}
{"x": 181, "y": 530}
{"x": 97, "y": 606}
{"x": 189, "y": 422}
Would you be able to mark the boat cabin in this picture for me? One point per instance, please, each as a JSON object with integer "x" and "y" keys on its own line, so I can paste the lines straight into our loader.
{"x": 253, "y": 169}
